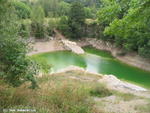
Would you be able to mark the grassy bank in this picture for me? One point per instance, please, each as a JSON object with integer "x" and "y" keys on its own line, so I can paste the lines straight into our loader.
{"x": 63, "y": 93}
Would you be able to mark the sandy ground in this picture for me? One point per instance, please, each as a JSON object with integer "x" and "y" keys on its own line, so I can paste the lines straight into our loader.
{"x": 46, "y": 46}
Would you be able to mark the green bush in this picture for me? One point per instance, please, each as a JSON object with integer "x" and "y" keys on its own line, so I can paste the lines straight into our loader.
{"x": 38, "y": 30}
{"x": 144, "y": 51}
{"x": 52, "y": 24}
{"x": 15, "y": 67}
{"x": 25, "y": 28}
{"x": 68, "y": 98}
{"x": 37, "y": 25}
{"x": 10, "y": 97}
{"x": 22, "y": 9}
{"x": 63, "y": 26}
{"x": 73, "y": 26}
{"x": 100, "y": 90}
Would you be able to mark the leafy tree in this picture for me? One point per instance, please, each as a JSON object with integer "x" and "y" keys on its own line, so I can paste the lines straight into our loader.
{"x": 73, "y": 26}
{"x": 63, "y": 26}
{"x": 52, "y": 24}
{"x": 86, "y": 3}
{"x": 89, "y": 12}
{"x": 132, "y": 31}
{"x": 15, "y": 67}
{"x": 50, "y": 7}
{"x": 108, "y": 12}
{"x": 37, "y": 17}
{"x": 23, "y": 10}
{"x": 25, "y": 28}
{"x": 64, "y": 8}
{"x": 37, "y": 14}
{"x": 76, "y": 20}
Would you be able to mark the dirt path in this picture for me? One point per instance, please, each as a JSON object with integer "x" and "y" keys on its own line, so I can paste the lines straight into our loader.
{"x": 58, "y": 35}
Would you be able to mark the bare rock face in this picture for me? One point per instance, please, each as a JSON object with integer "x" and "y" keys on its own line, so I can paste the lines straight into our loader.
{"x": 115, "y": 83}
{"x": 72, "y": 46}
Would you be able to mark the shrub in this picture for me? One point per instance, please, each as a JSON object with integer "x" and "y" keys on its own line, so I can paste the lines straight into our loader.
{"x": 37, "y": 17}
{"x": 100, "y": 91}
{"x": 63, "y": 26}
{"x": 10, "y": 97}
{"x": 25, "y": 28}
{"x": 15, "y": 67}
{"x": 67, "y": 98}
{"x": 52, "y": 24}
{"x": 38, "y": 30}
{"x": 22, "y": 9}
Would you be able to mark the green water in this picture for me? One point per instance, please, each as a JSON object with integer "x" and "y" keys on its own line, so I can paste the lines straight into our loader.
{"x": 96, "y": 61}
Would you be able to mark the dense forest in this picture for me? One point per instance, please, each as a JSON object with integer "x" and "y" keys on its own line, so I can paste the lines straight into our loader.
{"x": 125, "y": 22}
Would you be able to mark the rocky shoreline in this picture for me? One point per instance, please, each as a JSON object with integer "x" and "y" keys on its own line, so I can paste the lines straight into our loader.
{"x": 56, "y": 45}
{"x": 111, "y": 81}
{"x": 132, "y": 58}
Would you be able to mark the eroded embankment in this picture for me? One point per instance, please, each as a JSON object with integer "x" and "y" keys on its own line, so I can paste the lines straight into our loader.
{"x": 56, "y": 45}
{"x": 131, "y": 58}
{"x": 111, "y": 81}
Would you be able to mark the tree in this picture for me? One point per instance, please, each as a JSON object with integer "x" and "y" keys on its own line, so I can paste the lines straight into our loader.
{"x": 23, "y": 10}
{"x": 64, "y": 8}
{"x": 63, "y": 26}
{"x": 37, "y": 17}
{"x": 132, "y": 31}
{"x": 50, "y": 7}
{"x": 15, "y": 67}
{"x": 89, "y": 12}
{"x": 37, "y": 14}
{"x": 76, "y": 20}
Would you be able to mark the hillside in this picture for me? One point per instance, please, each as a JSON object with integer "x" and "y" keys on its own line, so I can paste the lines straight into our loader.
{"x": 75, "y": 91}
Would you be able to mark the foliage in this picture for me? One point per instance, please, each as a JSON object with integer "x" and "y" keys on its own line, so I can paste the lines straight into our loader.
{"x": 108, "y": 13}
{"x": 24, "y": 28}
{"x": 37, "y": 14}
{"x": 10, "y": 96}
{"x": 129, "y": 27}
{"x": 37, "y": 17}
{"x": 63, "y": 26}
{"x": 63, "y": 8}
{"x": 89, "y": 12}
{"x": 125, "y": 96}
{"x": 87, "y": 3}
{"x": 15, "y": 67}
{"x": 74, "y": 24}
{"x": 38, "y": 30}
{"x": 54, "y": 8}
{"x": 100, "y": 91}
{"x": 66, "y": 96}
{"x": 23, "y": 10}
{"x": 52, "y": 24}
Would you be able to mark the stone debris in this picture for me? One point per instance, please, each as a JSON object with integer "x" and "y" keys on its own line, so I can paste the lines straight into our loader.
{"x": 115, "y": 83}
{"x": 70, "y": 68}
{"x": 110, "y": 80}
{"x": 73, "y": 47}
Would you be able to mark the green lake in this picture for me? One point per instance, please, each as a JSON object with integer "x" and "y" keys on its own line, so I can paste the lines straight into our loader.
{"x": 95, "y": 61}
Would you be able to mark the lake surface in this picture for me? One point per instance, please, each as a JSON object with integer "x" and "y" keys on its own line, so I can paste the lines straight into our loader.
{"x": 95, "y": 61}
